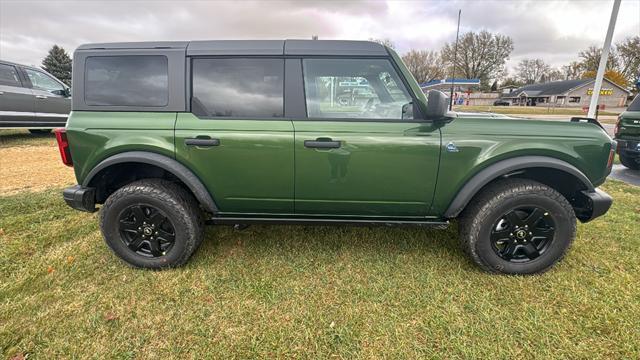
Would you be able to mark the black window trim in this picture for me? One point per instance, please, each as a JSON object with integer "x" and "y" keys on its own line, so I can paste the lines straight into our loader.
{"x": 21, "y": 82}
{"x": 251, "y": 118}
{"x": 155, "y": 108}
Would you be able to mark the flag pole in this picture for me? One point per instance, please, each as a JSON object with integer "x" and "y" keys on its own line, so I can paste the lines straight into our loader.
{"x": 603, "y": 60}
{"x": 455, "y": 55}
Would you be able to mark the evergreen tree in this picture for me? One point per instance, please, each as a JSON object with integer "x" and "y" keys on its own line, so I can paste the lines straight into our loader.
{"x": 58, "y": 64}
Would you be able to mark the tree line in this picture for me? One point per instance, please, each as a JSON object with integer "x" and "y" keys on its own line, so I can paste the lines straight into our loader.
{"x": 483, "y": 55}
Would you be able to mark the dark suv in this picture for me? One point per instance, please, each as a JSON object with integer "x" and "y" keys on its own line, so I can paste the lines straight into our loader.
{"x": 32, "y": 98}
{"x": 168, "y": 136}
{"x": 627, "y": 134}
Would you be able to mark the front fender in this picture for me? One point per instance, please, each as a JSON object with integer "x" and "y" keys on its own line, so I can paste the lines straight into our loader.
{"x": 496, "y": 170}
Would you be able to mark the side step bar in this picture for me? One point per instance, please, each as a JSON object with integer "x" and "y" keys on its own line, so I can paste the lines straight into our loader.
{"x": 310, "y": 221}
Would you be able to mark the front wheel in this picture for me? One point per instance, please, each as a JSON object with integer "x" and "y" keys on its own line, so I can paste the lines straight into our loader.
{"x": 517, "y": 226}
{"x": 152, "y": 223}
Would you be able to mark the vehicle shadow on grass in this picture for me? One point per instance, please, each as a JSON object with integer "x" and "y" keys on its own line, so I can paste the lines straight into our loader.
{"x": 275, "y": 243}
{"x": 19, "y": 137}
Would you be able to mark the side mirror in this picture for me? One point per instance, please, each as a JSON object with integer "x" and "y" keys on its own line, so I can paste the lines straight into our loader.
{"x": 437, "y": 105}
{"x": 66, "y": 92}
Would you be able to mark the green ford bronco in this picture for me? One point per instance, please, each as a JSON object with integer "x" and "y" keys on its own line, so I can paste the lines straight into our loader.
{"x": 627, "y": 134}
{"x": 170, "y": 136}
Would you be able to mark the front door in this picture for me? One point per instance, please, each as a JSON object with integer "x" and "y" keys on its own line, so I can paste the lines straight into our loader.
{"x": 236, "y": 138}
{"x": 360, "y": 152}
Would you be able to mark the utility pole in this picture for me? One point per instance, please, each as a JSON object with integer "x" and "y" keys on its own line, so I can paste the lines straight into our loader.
{"x": 455, "y": 55}
{"x": 603, "y": 60}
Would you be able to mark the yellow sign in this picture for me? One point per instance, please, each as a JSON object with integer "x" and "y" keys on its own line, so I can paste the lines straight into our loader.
{"x": 602, "y": 91}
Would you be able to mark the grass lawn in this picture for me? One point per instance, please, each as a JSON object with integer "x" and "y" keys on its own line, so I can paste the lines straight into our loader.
{"x": 527, "y": 110}
{"x": 311, "y": 292}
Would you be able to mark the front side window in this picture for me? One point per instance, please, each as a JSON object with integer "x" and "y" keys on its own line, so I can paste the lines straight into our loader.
{"x": 355, "y": 88}
{"x": 238, "y": 88}
{"x": 43, "y": 81}
{"x": 136, "y": 80}
{"x": 9, "y": 76}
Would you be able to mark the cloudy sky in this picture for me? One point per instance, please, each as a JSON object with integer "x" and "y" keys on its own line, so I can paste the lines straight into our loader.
{"x": 553, "y": 30}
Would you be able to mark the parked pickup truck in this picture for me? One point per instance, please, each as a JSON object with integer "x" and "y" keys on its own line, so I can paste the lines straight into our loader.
{"x": 32, "y": 98}
{"x": 627, "y": 134}
{"x": 168, "y": 136}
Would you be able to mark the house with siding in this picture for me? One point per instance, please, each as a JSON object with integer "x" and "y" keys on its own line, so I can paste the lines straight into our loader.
{"x": 568, "y": 93}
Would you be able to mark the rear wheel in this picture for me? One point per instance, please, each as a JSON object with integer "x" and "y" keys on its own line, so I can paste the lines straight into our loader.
{"x": 152, "y": 224}
{"x": 517, "y": 226}
{"x": 629, "y": 162}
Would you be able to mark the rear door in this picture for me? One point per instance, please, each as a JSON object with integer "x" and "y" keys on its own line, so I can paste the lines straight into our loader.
{"x": 361, "y": 151}
{"x": 52, "y": 106}
{"x": 236, "y": 138}
{"x": 16, "y": 100}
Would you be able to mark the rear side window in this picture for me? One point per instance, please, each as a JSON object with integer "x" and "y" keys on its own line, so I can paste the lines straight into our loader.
{"x": 635, "y": 104}
{"x": 136, "y": 80}
{"x": 9, "y": 76}
{"x": 238, "y": 88}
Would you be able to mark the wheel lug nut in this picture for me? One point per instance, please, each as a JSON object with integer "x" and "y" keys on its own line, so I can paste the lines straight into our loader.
{"x": 156, "y": 233}
{"x": 530, "y": 233}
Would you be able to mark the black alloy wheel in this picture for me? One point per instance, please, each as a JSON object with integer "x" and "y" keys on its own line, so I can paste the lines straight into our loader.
{"x": 522, "y": 234}
{"x": 146, "y": 231}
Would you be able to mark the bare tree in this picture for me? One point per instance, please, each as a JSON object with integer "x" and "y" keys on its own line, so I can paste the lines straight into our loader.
{"x": 628, "y": 52}
{"x": 481, "y": 55}
{"x": 386, "y": 42}
{"x": 573, "y": 70}
{"x": 531, "y": 71}
{"x": 424, "y": 65}
{"x": 554, "y": 74}
{"x": 590, "y": 59}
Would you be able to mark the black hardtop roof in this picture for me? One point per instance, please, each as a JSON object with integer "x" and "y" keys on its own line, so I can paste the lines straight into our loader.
{"x": 253, "y": 47}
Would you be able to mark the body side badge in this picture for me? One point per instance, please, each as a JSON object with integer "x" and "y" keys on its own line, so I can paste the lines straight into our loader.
{"x": 451, "y": 147}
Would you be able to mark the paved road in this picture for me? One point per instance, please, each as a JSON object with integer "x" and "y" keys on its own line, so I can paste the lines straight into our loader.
{"x": 620, "y": 172}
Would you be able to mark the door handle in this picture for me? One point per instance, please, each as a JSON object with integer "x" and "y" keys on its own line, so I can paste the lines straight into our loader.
{"x": 322, "y": 143}
{"x": 1, "y": 92}
{"x": 201, "y": 142}
{"x": 41, "y": 97}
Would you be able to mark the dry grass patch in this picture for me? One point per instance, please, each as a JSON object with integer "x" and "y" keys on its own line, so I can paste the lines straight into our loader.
{"x": 32, "y": 168}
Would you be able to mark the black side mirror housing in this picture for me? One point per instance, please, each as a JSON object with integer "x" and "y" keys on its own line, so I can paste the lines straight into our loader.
{"x": 437, "y": 105}
{"x": 66, "y": 92}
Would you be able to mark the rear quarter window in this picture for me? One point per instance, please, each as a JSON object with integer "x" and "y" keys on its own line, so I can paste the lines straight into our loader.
{"x": 132, "y": 80}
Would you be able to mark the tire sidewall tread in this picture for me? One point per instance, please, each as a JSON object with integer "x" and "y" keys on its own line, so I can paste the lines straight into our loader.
{"x": 481, "y": 213}
{"x": 174, "y": 201}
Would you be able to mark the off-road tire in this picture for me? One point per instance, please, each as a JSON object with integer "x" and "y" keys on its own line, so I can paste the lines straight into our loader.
{"x": 630, "y": 163}
{"x": 486, "y": 208}
{"x": 180, "y": 208}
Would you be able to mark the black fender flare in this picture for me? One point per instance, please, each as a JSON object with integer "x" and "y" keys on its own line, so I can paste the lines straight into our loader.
{"x": 504, "y": 167}
{"x": 164, "y": 162}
